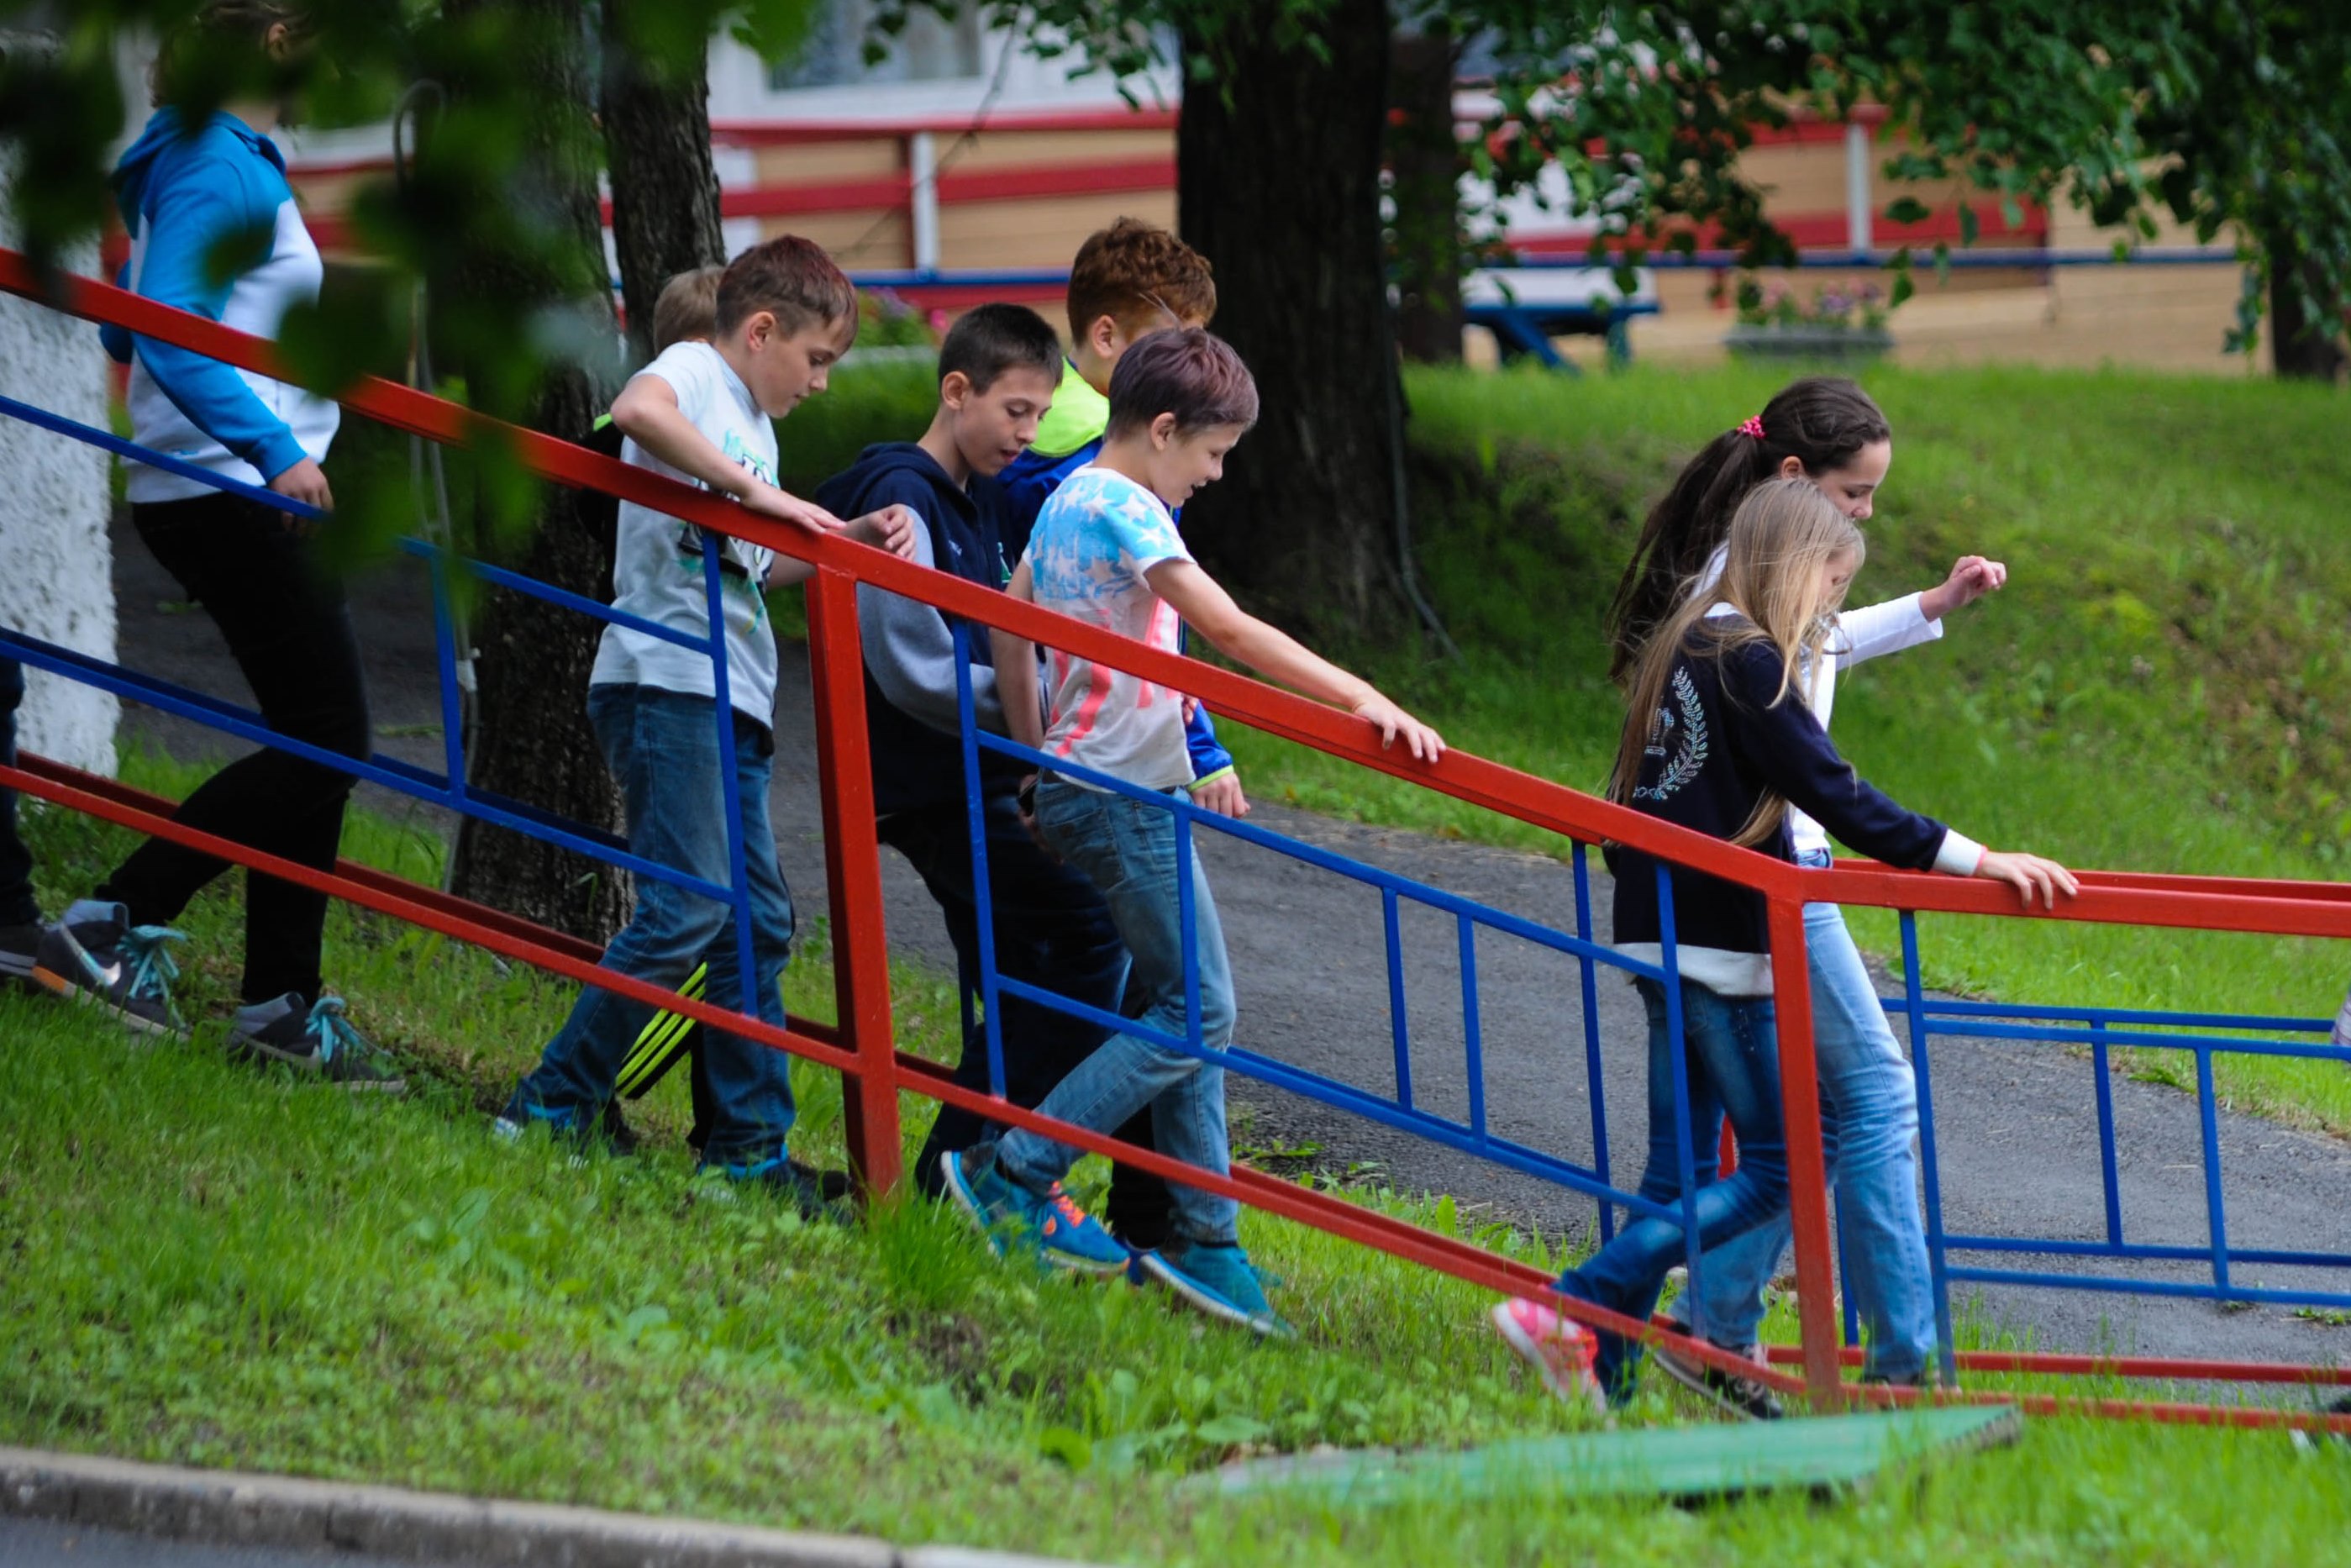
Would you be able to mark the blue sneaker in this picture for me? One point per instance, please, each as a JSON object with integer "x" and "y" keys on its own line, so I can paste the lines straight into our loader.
{"x": 1219, "y": 1281}
{"x": 1049, "y": 1224}
{"x": 314, "y": 1038}
{"x": 94, "y": 954}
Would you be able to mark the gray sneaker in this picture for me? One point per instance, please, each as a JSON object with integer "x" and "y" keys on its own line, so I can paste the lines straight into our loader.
{"x": 94, "y": 955}
{"x": 1739, "y": 1396}
{"x": 315, "y": 1038}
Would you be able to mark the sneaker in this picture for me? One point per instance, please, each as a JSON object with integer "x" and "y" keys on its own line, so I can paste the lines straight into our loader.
{"x": 822, "y": 1197}
{"x": 2337, "y": 1443}
{"x": 1219, "y": 1281}
{"x": 1739, "y": 1395}
{"x": 609, "y": 1133}
{"x": 313, "y": 1038}
{"x": 20, "y": 948}
{"x": 94, "y": 954}
{"x": 1051, "y": 1225}
{"x": 1559, "y": 1349}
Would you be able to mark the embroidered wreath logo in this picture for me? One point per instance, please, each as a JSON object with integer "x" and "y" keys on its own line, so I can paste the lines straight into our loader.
{"x": 1688, "y": 748}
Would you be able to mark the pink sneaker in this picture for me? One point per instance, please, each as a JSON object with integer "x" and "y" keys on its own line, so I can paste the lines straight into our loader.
{"x": 1558, "y": 1349}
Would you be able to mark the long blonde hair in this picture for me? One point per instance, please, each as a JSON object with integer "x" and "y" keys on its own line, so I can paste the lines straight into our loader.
{"x": 1782, "y": 539}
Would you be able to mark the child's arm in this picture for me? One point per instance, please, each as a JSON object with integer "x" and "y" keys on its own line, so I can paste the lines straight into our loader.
{"x": 1787, "y": 747}
{"x": 647, "y": 413}
{"x": 1915, "y": 618}
{"x": 892, "y": 528}
{"x": 1208, "y": 610}
{"x": 1015, "y": 657}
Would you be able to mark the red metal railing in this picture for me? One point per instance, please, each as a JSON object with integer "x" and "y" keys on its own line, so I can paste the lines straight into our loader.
{"x": 862, "y": 1046}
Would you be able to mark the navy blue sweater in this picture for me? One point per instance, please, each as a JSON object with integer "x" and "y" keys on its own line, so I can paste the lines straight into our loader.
{"x": 910, "y": 678}
{"x": 1717, "y": 745}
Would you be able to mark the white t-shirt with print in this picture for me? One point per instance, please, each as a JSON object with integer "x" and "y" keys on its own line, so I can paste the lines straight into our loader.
{"x": 1093, "y": 541}
{"x": 657, "y": 568}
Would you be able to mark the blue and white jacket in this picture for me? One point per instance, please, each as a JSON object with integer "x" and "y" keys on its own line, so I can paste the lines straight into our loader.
{"x": 214, "y": 230}
{"x": 1717, "y": 745}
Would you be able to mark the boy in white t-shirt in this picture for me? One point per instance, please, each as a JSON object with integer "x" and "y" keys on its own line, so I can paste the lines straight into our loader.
{"x": 1105, "y": 551}
{"x": 703, "y": 413}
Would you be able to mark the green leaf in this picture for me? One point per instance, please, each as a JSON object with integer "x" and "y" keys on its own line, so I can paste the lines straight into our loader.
{"x": 1906, "y": 210}
{"x": 1066, "y": 1446}
{"x": 1232, "y": 1431}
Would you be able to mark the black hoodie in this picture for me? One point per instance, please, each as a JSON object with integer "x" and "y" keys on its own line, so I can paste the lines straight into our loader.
{"x": 909, "y": 669}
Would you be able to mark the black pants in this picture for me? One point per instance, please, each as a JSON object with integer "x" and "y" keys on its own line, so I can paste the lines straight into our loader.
{"x": 1053, "y": 930}
{"x": 17, "y": 906}
{"x": 286, "y": 625}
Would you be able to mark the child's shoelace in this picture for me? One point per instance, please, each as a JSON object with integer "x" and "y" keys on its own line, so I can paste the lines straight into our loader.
{"x": 1063, "y": 1204}
{"x": 333, "y": 1031}
{"x": 152, "y": 968}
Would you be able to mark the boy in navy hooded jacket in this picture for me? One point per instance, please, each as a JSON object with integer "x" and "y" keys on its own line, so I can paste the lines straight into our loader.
{"x": 996, "y": 374}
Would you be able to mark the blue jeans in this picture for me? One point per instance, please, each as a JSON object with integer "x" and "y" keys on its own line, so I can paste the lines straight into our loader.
{"x": 1053, "y": 930}
{"x": 1128, "y": 848}
{"x": 663, "y": 748}
{"x": 1732, "y": 1058}
{"x": 17, "y": 906}
{"x": 1869, "y": 1127}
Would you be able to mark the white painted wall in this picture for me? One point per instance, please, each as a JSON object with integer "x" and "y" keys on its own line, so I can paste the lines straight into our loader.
{"x": 57, "y": 577}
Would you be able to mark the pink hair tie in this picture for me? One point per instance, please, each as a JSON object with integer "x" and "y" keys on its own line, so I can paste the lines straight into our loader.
{"x": 1752, "y": 426}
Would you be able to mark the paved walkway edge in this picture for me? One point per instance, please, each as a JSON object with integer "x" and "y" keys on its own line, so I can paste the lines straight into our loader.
{"x": 230, "y": 1508}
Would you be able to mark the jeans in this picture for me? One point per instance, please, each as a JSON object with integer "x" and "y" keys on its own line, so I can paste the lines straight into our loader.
{"x": 1052, "y": 930}
{"x": 1732, "y": 1058}
{"x": 17, "y": 906}
{"x": 664, "y": 750}
{"x": 286, "y": 625}
{"x": 1128, "y": 848}
{"x": 1869, "y": 1127}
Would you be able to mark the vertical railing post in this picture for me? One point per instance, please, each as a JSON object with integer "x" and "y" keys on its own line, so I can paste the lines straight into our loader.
{"x": 1800, "y": 1102}
{"x": 852, "y": 866}
{"x": 738, "y": 876}
{"x": 2107, "y": 1172}
{"x": 1685, "y": 1142}
{"x": 1591, "y": 1044}
{"x": 983, "y": 892}
{"x": 1938, "y": 1259}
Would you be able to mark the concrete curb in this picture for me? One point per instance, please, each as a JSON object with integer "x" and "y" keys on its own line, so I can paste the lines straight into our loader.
{"x": 229, "y": 1507}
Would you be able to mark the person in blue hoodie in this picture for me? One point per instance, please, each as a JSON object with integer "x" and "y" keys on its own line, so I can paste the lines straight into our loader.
{"x": 215, "y": 231}
{"x": 1051, "y": 928}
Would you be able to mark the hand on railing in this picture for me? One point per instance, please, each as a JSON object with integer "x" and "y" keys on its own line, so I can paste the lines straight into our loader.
{"x": 891, "y": 529}
{"x": 305, "y": 482}
{"x": 771, "y": 501}
{"x": 2029, "y": 874}
{"x": 1425, "y": 743}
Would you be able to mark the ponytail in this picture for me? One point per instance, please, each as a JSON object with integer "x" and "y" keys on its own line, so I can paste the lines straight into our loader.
{"x": 1820, "y": 421}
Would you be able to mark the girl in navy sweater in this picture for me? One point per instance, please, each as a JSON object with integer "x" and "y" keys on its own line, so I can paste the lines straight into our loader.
{"x": 1718, "y": 737}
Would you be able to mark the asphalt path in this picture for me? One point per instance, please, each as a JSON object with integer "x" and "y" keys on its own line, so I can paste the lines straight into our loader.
{"x": 2016, "y": 1123}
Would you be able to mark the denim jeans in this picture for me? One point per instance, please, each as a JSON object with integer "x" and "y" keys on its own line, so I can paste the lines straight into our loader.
{"x": 1869, "y": 1127}
{"x": 17, "y": 906}
{"x": 283, "y": 615}
{"x": 1128, "y": 848}
{"x": 1732, "y": 1058}
{"x": 1052, "y": 930}
{"x": 663, "y": 748}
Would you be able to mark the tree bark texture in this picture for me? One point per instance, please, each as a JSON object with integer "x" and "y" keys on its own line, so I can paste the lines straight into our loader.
{"x": 2303, "y": 348}
{"x": 1279, "y": 185}
{"x": 1425, "y": 169}
{"x": 664, "y": 191}
{"x": 531, "y": 739}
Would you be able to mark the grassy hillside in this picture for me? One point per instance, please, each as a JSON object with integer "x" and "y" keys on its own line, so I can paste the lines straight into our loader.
{"x": 213, "y": 1266}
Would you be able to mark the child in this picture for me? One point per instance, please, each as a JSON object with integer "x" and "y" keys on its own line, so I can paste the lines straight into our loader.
{"x": 1718, "y": 738}
{"x": 1828, "y": 431}
{"x": 1130, "y": 278}
{"x": 703, "y": 412}
{"x": 1106, "y": 552}
{"x": 997, "y": 370}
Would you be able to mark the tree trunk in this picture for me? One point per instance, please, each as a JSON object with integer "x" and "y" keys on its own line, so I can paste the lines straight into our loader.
{"x": 1279, "y": 185}
{"x": 1425, "y": 166}
{"x": 657, "y": 145}
{"x": 2305, "y": 347}
{"x": 531, "y": 739}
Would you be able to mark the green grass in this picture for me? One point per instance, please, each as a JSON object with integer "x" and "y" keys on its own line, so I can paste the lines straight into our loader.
{"x": 2160, "y": 689}
{"x": 211, "y": 1266}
